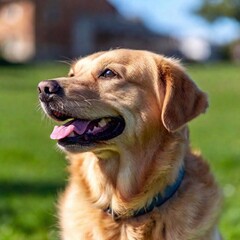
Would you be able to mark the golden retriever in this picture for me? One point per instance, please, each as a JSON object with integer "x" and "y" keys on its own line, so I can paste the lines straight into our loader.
{"x": 132, "y": 173}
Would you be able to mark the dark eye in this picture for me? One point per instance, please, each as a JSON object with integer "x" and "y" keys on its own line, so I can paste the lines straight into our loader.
{"x": 107, "y": 73}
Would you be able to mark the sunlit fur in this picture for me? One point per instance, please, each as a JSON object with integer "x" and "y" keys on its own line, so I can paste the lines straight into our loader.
{"x": 156, "y": 98}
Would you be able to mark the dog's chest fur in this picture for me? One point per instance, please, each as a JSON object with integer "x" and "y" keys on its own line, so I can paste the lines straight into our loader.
{"x": 179, "y": 218}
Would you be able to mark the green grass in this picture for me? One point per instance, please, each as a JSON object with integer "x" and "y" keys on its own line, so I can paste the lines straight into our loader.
{"x": 217, "y": 135}
{"x": 32, "y": 172}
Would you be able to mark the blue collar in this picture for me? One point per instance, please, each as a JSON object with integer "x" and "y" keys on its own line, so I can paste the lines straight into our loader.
{"x": 157, "y": 201}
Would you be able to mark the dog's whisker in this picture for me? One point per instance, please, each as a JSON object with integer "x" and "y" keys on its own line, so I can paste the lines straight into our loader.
{"x": 67, "y": 62}
{"x": 88, "y": 102}
{"x": 85, "y": 99}
{"x": 43, "y": 115}
{"x": 61, "y": 105}
{"x": 77, "y": 103}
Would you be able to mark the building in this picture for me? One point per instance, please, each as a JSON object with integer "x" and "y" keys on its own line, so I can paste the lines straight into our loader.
{"x": 62, "y": 29}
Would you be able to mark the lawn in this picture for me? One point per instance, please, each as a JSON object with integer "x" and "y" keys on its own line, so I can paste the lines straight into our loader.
{"x": 32, "y": 172}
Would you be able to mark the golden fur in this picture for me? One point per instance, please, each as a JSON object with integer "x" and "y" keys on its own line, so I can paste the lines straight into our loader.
{"x": 156, "y": 98}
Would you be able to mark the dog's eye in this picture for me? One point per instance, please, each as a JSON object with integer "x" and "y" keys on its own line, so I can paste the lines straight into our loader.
{"x": 108, "y": 73}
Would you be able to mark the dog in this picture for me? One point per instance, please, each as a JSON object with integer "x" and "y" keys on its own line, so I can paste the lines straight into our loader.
{"x": 123, "y": 116}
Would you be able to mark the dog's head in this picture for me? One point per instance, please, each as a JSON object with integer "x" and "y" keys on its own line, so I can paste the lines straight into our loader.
{"x": 120, "y": 97}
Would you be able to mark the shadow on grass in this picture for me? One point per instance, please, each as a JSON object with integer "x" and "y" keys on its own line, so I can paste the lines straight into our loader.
{"x": 33, "y": 188}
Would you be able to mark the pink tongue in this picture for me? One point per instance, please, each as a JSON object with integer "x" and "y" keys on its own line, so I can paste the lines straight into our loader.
{"x": 60, "y": 132}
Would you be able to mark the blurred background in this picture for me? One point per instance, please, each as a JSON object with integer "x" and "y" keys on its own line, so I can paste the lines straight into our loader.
{"x": 197, "y": 30}
{"x": 37, "y": 36}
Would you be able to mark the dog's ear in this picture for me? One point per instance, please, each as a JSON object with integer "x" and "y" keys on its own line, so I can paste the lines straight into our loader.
{"x": 182, "y": 99}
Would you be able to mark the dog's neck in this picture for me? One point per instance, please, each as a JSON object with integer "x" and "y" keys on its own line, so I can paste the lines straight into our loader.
{"x": 156, "y": 201}
{"x": 126, "y": 180}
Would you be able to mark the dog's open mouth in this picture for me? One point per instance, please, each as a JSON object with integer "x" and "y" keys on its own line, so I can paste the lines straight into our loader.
{"x": 86, "y": 132}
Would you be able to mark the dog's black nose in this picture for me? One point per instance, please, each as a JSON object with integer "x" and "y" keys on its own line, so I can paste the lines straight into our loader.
{"x": 48, "y": 88}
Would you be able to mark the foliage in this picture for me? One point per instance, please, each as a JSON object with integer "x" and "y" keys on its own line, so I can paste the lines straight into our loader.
{"x": 214, "y": 9}
{"x": 32, "y": 172}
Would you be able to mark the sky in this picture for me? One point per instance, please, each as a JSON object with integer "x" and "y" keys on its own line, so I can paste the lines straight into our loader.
{"x": 176, "y": 18}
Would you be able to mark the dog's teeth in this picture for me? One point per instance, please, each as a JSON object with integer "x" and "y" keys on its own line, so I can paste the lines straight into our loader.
{"x": 72, "y": 134}
{"x": 95, "y": 129}
{"x": 102, "y": 123}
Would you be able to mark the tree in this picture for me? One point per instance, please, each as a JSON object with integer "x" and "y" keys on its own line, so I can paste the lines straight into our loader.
{"x": 214, "y": 9}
